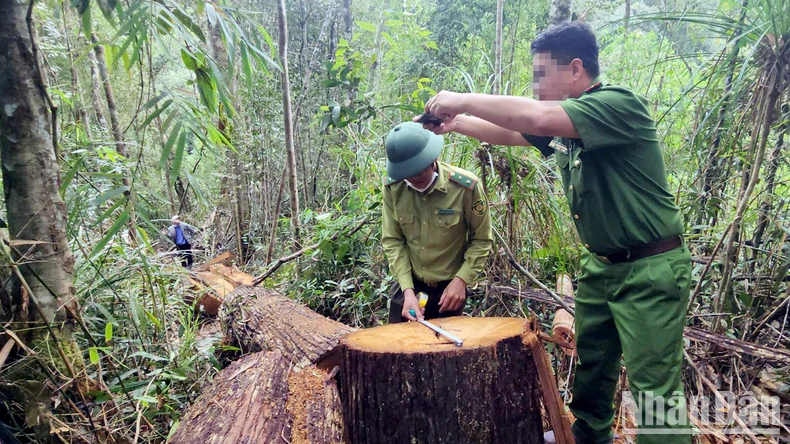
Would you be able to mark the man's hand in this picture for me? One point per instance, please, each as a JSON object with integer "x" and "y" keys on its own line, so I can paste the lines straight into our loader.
{"x": 446, "y": 104}
{"x": 447, "y": 126}
{"x": 453, "y": 296}
{"x": 410, "y": 302}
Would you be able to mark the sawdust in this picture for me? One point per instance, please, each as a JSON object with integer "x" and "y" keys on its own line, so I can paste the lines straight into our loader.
{"x": 304, "y": 388}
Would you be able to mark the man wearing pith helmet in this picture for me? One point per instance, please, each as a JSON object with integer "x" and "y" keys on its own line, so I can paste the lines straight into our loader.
{"x": 436, "y": 228}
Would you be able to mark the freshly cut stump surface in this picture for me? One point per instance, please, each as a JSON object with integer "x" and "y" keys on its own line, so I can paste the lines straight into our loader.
{"x": 401, "y": 383}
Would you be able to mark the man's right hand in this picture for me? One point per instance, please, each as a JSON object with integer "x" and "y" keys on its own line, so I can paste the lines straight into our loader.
{"x": 447, "y": 126}
{"x": 410, "y": 302}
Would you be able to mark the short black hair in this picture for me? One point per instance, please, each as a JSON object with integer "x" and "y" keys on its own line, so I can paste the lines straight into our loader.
{"x": 568, "y": 41}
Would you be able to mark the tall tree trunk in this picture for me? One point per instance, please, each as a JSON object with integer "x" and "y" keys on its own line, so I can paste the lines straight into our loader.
{"x": 288, "y": 123}
{"x": 560, "y": 11}
{"x": 97, "y": 106}
{"x": 31, "y": 174}
{"x": 80, "y": 114}
{"x": 627, "y": 13}
{"x": 348, "y": 20}
{"x": 239, "y": 206}
{"x": 35, "y": 212}
{"x": 513, "y": 49}
{"x": 112, "y": 109}
{"x": 497, "y": 86}
{"x": 277, "y": 203}
{"x": 770, "y": 185}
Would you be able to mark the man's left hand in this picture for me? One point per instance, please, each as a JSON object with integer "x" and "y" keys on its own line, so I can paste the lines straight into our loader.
{"x": 453, "y": 296}
{"x": 446, "y": 104}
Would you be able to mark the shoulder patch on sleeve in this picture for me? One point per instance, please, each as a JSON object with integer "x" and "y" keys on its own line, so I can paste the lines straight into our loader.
{"x": 465, "y": 181}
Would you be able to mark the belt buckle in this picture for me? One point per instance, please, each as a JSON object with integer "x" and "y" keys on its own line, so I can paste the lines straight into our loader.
{"x": 431, "y": 284}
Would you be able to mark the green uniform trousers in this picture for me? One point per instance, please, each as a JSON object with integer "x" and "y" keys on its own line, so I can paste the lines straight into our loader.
{"x": 636, "y": 310}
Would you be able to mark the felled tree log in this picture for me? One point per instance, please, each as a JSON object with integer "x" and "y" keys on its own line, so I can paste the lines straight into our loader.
{"x": 244, "y": 404}
{"x": 214, "y": 281}
{"x": 259, "y": 320}
{"x": 402, "y": 383}
{"x": 256, "y": 400}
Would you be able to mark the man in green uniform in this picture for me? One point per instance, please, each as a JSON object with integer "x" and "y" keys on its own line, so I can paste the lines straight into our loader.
{"x": 436, "y": 229}
{"x": 634, "y": 285}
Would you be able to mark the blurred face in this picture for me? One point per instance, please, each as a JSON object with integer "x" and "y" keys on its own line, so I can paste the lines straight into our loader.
{"x": 551, "y": 79}
{"x": 177, "y": 222}
{"x": 423, "y": 178}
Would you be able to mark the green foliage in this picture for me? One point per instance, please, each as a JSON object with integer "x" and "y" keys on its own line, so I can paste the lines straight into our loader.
{"x": 204, "y": 133}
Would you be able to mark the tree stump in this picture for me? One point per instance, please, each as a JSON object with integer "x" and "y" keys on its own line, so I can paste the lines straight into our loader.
{"x": 401, "y": 383}
{"x": 259, "y": 320}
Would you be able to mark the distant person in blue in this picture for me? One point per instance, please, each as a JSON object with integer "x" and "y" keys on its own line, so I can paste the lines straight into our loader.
{"x": 182, "y": 234}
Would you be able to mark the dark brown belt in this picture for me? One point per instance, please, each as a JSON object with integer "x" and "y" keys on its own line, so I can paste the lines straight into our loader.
{"x": 643, "y": 251}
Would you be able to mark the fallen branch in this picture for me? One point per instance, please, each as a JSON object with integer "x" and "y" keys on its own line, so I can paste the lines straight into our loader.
{"x": 767, "y": 318}
{"x": 692, "y": 333}
{"x": 712, "y": 387}
{"x": 301, "y": 252}
{"x": 5, "y": 351}
{"x": 726, "y": 343}
{"x": 529, "y": 275}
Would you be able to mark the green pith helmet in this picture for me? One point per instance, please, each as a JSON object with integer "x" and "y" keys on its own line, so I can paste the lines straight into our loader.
{"x": 410, "y": 149}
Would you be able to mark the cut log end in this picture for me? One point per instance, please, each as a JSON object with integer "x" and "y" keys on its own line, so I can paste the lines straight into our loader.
{"x": 417, "y": 338}
{"x": 314, "y": 406}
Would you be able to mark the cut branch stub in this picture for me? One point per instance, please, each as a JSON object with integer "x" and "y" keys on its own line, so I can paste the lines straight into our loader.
{"x": 402, "y": 383}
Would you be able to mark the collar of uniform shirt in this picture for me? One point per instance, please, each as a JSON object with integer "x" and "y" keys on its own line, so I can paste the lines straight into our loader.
{"x": 435, "y": 175}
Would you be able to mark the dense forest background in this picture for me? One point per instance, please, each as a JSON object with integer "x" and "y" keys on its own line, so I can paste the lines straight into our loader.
{"x": 163, "y": 107}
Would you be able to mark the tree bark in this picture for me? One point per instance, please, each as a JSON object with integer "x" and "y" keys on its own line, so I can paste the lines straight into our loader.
{"x": 402, "y": 383}
{"x": 288, "y": 123}
{"x": 258, "y": 319}
{"x": 31, "y": 175}
{"x": 244, "y": 404}
{"x": 257, "y": 400}
{"x": 41, "y": 302}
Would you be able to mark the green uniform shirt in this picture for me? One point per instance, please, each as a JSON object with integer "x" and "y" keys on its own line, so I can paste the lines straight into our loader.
{"x": 440, "y": 234}
{"x": 614, "y": 175}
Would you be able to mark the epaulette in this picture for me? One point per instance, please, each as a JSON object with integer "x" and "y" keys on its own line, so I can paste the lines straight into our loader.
{"x": 593, "y": 87}
{"x": 389, "y": 181}
{"x": 465, "y": 181}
